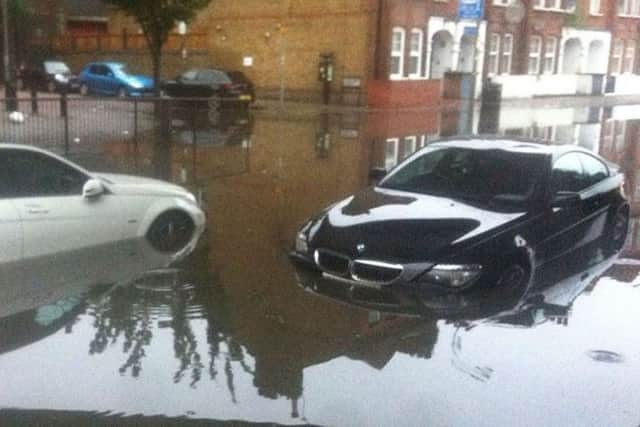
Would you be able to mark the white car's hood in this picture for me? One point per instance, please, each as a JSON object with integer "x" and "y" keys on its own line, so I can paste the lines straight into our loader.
{"x": 135, "y": 185}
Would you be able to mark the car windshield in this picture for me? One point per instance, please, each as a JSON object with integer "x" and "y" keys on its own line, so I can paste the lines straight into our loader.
{"x": 482, "y": 175}
{"x": 122, "y": 70}
{"x": 56, "y": 67}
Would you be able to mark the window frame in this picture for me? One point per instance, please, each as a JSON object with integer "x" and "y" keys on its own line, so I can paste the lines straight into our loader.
{"x": 506, "y": 56}
{"x": 595, "y": 7}
{"x": 617, "y": 56}
{"x": 628, "y": 61}
{"x": 552, "y": 56}
{"x": 416, "y": 53}
{"x": 495, "y": 54}
{"x": 535, "y": 55}
{"x": 397, "y": 53}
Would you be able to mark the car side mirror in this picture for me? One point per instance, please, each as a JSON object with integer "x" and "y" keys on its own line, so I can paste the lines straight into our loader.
{"x": 565, "y": 199}
{"x": 377, "y": 173}
{"x": 92, "y": 188}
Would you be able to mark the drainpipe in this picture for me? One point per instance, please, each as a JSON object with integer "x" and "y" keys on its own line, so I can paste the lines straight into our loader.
{"x": 378, "y": 40}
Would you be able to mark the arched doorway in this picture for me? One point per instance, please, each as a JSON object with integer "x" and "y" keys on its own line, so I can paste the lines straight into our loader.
{"x": 597, "y": 58}
{"x": 572, "y": 56}
{"x": 441, "y": 54}
{"x": 467, "y": 53}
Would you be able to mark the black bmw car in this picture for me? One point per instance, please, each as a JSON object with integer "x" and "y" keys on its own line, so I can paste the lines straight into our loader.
{"x": 468, "y": 213}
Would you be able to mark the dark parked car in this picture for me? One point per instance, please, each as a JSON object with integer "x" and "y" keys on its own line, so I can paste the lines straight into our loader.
{"x": 229, "y": 87}
{"x": 464, "y": 213}
{"x": 113, "y": 78}
{"x": 49, "y": 75}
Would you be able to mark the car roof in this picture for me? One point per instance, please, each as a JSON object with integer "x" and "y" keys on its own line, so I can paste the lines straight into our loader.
{"x": 512, "y": 144}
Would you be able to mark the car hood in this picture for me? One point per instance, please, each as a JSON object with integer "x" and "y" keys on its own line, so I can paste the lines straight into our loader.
{"x": 396, "y": 226}
{"x": 135, "y": 185}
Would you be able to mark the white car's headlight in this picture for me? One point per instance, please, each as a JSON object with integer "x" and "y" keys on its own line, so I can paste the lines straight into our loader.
{"x": 454, "y": 276}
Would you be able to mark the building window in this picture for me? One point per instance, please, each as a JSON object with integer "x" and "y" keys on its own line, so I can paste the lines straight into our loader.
{"x": 415, "y": 54}
{"x": 557, "y": 5}
{"x": 629, "y": 7}
{"x": 397, "y": 54}
{"x": 629, "y": 57}
{"x": 494, "y": 50}
{"x": 409, "y": 145}
{"x": 391, "y": 153}
{"x": 616, "y": 57}
{"x": 594, "y": 7}
{"x": 535, "y": 48}
{"x": 550, "y": 47}
{"x": 507, "y": 50}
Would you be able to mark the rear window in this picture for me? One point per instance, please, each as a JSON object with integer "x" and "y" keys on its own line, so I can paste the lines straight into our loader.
{"x": 238, "y": 77}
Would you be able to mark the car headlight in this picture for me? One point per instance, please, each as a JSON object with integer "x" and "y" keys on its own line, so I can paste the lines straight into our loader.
{"x": 454, "y": 276}
{"x": 60, "y": 78}
{"x": 302, "y": 244}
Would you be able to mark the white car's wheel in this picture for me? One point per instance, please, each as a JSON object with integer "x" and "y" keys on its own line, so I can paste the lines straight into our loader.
{"x": 171, "y": 231}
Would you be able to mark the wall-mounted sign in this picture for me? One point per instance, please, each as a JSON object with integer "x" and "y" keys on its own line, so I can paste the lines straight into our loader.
{"x": 247, "y": 61}
{"x": 471, "y": 9}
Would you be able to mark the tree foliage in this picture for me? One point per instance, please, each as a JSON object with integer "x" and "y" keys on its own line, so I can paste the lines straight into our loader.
{"x": 158, "y": 18}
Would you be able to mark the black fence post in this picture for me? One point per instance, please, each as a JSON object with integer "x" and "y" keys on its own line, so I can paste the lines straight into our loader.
{"x": 65, "y": 115}
{"x": 135, "y": 122}
{"x": 34, "y": 98}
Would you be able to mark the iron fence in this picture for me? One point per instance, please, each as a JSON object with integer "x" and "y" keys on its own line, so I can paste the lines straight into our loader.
{"x": 67, "y": 124}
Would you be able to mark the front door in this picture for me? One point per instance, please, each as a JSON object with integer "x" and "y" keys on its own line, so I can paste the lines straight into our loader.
{"x": 56, "y": 218}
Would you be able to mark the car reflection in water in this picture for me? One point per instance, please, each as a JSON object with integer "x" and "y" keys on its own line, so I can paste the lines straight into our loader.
{"x": 545, "y": 295}
{"x": 39, "y": 296}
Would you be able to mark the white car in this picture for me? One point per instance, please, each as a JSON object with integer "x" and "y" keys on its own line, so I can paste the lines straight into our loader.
{"x": 49, "y": 205}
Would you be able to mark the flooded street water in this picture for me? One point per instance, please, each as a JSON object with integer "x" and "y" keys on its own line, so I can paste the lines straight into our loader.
{"x": 236, "y": 333}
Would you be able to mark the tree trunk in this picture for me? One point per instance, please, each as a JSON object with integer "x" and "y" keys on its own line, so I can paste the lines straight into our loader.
{"x": 156, "y": 59}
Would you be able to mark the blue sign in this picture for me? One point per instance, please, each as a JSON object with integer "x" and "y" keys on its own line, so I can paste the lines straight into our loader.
{"x": 471, "y": 9}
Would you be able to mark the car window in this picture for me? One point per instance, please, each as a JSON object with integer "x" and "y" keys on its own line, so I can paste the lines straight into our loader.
{"x": 482, "y": 175}
{"x": 56, "y": 67}
{"x": 594, "y": 170}
{"x": 568, "y": 174}
{"x": 95, "y": 69}
{"x": 206, "y": 76}
{"x": 107, "y": 71}
{"x": 221, "y": 77}
{"x": 189, "y": 75}
{"x": 33, "y": 174}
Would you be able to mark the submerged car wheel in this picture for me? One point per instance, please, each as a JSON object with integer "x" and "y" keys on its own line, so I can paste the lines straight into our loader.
{"x": 171, "y": 231}
{"x": 619, "y": 228}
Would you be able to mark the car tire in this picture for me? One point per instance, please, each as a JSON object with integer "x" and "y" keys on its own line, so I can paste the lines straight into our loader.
{"x": 122, "y": 93}
{"x": 618, "y": 229}
{"x": 171, "y": 231}
{"x": 84, "y": 89}
{"x": 51, "y": 87}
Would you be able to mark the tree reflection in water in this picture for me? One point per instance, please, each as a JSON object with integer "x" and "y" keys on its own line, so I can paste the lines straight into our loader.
{"x": 129, "y": 316}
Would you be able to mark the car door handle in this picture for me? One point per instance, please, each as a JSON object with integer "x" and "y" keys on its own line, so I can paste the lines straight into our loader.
{"x": 38, "y": 211}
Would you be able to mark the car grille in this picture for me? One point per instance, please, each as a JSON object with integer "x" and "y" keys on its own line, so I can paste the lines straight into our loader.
{"x": 370, "y": 271}
{"x": 332, "y": 262}
{"x": 358, "y": 270}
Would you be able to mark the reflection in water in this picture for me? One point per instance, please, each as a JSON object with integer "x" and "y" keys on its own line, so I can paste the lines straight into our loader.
{"x": 228, "y": 335}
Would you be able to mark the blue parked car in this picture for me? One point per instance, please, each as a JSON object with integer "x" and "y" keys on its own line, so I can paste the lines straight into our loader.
{"x": 113, "y": 78}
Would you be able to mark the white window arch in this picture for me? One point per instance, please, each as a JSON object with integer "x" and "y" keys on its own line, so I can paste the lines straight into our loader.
{"x": 396, "y": 69}
{"x": 415, "y": 53}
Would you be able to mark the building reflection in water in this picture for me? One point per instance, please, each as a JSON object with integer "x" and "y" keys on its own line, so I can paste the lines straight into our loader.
{"x": 234, "y": 309}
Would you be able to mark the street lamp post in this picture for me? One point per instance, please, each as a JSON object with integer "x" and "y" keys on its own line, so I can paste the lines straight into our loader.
{"x": 9, "y": 90}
